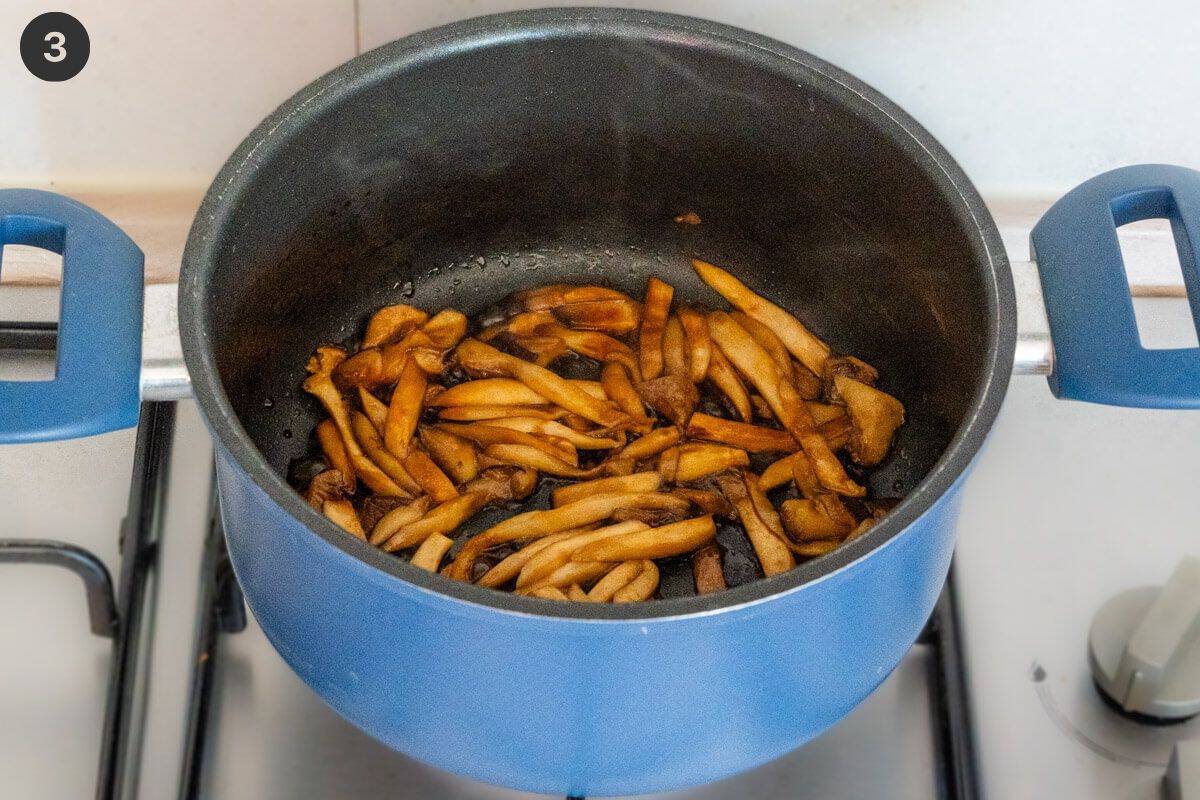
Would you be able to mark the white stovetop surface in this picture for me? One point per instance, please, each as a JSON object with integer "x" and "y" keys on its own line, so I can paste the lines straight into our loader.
{"x": 1069, "y": 504}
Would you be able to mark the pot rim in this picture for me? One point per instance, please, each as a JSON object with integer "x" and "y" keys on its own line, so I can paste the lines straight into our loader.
{"x": 288, "y": 120}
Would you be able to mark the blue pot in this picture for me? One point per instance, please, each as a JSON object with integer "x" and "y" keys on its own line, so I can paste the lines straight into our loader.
{"x": 567, "y": 130}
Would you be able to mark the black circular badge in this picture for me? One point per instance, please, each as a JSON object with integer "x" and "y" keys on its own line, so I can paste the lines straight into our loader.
{"x": 55, "y": 46}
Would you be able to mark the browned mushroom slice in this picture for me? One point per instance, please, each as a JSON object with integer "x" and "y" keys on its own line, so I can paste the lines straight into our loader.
{"x": 722, "y": 375}
{"x": 484, "y": 433}
{"x": 456, "y": 456}
{"x": 522, "y": 455}
{"x": 592, "y": 308}
{"x": 510, "y": 566}
{"x": 494, "y": 485}
{"x": 556, "y": 430}
{"x": 655, "y": 309}
{"x": 382, "y": 364}
{"x": 379, "y": 469}
{"x": 545, "y": 349}
{"x": 820, "y": 517}
{"x": 484, "y": 413}
{"x": 836, "y": 432}
{"x": 697, "y": 459}
{"x": 640, "y": 588}
{"x": 849, "y": 367}
{"x": 405, "y": 409}
{"x": 807, "y": 348}
{"x": 549, "y": 593}
{"x": 674, "y": 396}
{"x": 336, "y": 456}
{"x": 773, "y": 554}
{"x": 327, "y": 485}
{"x": 375, "y": 507}
{"x": 431, "y": 552}
{"x": 695, "y": 332}
{"x": 392, "y": 322}
{"x": 445, "y": 328}
{"x": 875, "y": 416}
{"x": 707, "y": 571}
{"x": 762, "y": 409}
{"x": 592, "y": 344}
{"x": 817, "y": 548}
{"x": 617, "y": 578}
{"x": 615, "y": 381}
{"x": 678, "y": 508}
{"x": 751, "y": 438}
{"x": 808, "y": 385}
{"x": 707, "y": 501}
{"x": 489, "y": 392}
{"x": 475, "y": 355}
{"x": 574, "y": 572}
{"x": 637, "y": 482}
{"x": 535, "y": 524}
{"x": 668, "y": 464}
{"x": 428, "y": 475}
{"x": 320, "y": 384}
{"x": 653, "y": 443}
{"x": 397, "y": 518}
{"x": 824, "y": 412}
{"x": 375, "y": 409}
{"x": 675, "y": 539}
{"x": 674, "y": 349}
{"x": 343, "y": 514}
{"x": 767, "y": 340}
{"x": 550, "y": 558}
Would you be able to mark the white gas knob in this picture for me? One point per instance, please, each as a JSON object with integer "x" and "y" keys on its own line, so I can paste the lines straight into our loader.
{"x": 1144, "y": 647}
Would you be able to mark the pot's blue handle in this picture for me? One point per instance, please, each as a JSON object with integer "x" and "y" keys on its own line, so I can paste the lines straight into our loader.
{"x": 96, "y": 383}
{"x": 1097, "y": 354}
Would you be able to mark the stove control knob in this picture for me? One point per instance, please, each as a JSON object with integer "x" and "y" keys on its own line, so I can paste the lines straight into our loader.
{"x": 1144, "y": 648}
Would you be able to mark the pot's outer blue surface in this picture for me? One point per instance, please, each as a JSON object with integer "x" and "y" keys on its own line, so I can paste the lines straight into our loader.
{"x": 581, "y": 706}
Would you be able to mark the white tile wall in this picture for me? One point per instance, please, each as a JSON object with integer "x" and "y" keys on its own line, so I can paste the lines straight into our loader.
{"x": 1030, "y": 96}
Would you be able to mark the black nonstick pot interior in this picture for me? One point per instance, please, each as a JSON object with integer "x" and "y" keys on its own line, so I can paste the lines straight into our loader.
{"x": 532, "y": 148}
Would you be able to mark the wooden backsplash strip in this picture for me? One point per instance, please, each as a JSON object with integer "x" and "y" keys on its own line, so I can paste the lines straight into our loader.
{"x": 157, "y": 220}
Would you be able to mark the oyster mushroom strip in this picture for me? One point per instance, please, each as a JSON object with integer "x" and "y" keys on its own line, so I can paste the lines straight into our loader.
{"x": 320, "y": 384}
{"x": 675, "y": 350}
{"x": 653, "y": 443}
{"x": 808, "y": 385}
{"x": 523, "y": 455}
{"x": 494, "y": 485}
{"x": 489, "y": 412}
{"x": 592, "y": 344}
{"x": 549, "y": 559}
{"x": 675, "y": 539}
{"x": 550, "y": 593}
{"x": 329, "y": 484}
{"x": 535, "y": 524}
{"x": 343, "y": 514}
{"x": 334, "y": 450}
{"x": 822, "y": 517}
{"x": 431, "y": 552}
{"x": 593, "y": 308}
{"x": 372, "y": 444}
{"x": 655, "y": 309}
{"x": 797, "y": 467}
{"x": 503, "y": 391}
{"x": 751, "y": 438}
{"x": 806, "y": 347}
{"x": 571, "y": 573}
{"x": 615, "y": 381}
{"x": 576, "y": 593}
{"x": 453, "y": 454}
{"x": 849, "y": 367}
{"x": 773, "y": 554}
{"x": 722, "y": 375}
{"x": 397, "y": 518}
{"x": 486, "y": 433}
{"x": 545, "y": 349}
{"x": 640, "y": 588}
{"x": 392, "y": 322}
{"x": 475, "y": 356}
{"x": 617, "y": 578}
{"x": 510, "y": 566}
{"x": 697, "y": 459}
{"x": 381, "y": 364}
{"x": 707, "y": 572}
{"x": 695, "y": 333}
{"x": 404, "y": 410}
{"x": 636, "y": 482}
{"x": 777, "y": 389}
{"x": 874, "y": 418}
{"x": 557, "y": 430}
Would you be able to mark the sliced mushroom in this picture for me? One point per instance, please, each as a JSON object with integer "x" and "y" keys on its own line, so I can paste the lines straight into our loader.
{"x": 431, "y": 552}
{"x": 695, "y": 332}
{"x": 343, "y": 514}
{"x": 669, "y": 540}
{"x": 637, "y": 482}
{"x": 751, "y": 438}
{"x": 392, "y": 322}
{"x": 722, "y": 375}
{"x": 453, "y": 454}
{"x": 336, "y": 456}
{"x": 807, "y": 348}
{"x": 655, "y": 308}
{"x": 707, "y": 570}
{"x": 404, "y": 411}
{"x": 640, "y": 588}
{"x": 875, "y": 416}
{"x": 822, "y": 517}
{"x": 697, "y": 459}
{"x": 616, "y": 579}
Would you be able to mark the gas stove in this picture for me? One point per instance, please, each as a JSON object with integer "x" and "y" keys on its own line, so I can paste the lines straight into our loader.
{"x": 157, "y": 673}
